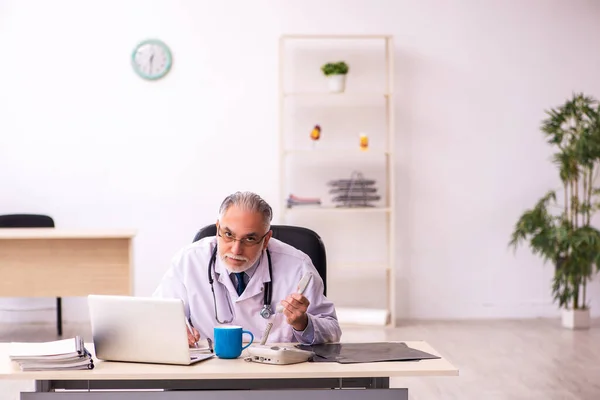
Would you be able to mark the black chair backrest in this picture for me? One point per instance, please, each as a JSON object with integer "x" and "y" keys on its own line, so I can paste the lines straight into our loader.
{"x": 304, "y": 239}
{"x": 26, "y": 221}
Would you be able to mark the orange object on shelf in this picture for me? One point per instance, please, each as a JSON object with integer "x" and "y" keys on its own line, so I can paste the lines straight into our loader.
{"x": 315, "y": 134}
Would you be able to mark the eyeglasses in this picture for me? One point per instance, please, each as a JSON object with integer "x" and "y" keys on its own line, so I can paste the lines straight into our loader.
{"x": 248, "y": 241}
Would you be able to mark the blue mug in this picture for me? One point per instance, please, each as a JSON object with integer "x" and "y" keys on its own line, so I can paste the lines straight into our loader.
{"x": 228, "y": 341}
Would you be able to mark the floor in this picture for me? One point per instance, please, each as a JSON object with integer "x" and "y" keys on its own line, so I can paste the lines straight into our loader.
{"x": 515, "y": 359}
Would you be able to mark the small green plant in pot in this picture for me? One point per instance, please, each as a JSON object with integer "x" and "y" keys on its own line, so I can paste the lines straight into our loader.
{"x": 336, "y": 75}
{"x": 558, "y": 228}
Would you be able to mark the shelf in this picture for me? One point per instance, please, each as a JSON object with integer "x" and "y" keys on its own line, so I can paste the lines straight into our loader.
{"x": 338, "y": 209}
{"x": 341, "y": 152}
{"x": 334, "y": 94}
{"x": 332, "y": 36}
{"x": 327, "y": 99}
{"x": 335, "y": 267}
{"x": 366, "y": 106}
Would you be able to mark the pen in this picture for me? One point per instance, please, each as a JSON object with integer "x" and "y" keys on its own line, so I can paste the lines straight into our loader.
{"x": 189, "y": 326}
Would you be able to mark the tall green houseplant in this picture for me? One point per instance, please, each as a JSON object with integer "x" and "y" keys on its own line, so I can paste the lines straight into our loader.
{"x": 558, "y": 228}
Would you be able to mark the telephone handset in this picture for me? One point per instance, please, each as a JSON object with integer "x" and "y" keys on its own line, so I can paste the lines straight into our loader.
{"x": 301, "y": 288}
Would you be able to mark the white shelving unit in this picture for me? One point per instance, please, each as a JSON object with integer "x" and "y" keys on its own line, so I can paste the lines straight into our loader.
{"x": 359, "y": 240}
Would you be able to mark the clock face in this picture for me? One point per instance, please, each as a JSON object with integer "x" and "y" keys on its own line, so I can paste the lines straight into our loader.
{"x": 151, "y": 59}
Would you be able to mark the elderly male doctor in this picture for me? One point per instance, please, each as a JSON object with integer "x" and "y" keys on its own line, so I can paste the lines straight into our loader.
{"x": 239, "y": 270}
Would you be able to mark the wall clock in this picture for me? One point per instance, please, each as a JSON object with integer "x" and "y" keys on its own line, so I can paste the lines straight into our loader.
{"x": 151, "y": 59}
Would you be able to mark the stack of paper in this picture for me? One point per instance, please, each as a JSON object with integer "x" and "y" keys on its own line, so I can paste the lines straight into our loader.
{"x": 57, "y": 355}
{"x": 354, "y": 192}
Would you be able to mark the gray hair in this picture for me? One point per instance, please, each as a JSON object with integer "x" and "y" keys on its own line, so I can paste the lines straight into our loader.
{"x": 248, "y": 201}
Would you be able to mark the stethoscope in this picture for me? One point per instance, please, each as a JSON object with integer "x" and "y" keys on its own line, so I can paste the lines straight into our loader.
{"x": 267, "y": 310}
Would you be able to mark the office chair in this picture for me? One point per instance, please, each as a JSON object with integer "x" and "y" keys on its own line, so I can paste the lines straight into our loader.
{"x": 34, "y": 221}
{"x": 301, "y": 238}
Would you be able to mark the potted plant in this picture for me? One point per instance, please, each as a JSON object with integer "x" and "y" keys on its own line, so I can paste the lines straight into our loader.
{"x": 336, "y": 75}
{"x": 561, "y": 232}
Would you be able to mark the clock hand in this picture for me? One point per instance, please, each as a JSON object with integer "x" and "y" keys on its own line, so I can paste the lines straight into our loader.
{"x": 151, "y": 59}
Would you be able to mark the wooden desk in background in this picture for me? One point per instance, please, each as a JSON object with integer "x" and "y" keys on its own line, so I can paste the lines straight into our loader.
{"x": 218, "y": 379}
{"x": 51, "y": 262}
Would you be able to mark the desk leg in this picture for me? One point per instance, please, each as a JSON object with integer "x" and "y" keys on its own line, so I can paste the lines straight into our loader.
{"x": 380, "y": 383}
{"x": 43, "y": 386}
{"x": 59, "y": 316}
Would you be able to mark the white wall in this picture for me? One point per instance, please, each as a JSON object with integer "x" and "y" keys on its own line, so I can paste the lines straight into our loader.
{"x": 85, "y": 140}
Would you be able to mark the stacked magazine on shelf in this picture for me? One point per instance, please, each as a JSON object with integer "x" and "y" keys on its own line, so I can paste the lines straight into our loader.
{"x": 294, "y": 200}
{"x": 66, "y": 354}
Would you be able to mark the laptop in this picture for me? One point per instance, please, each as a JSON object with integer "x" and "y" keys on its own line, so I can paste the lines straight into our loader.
{"x": 140, "y": 329}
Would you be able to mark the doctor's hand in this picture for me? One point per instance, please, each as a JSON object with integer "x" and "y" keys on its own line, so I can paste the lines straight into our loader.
{"x": 193, "y": 337}
{"x": 294, "y": 309}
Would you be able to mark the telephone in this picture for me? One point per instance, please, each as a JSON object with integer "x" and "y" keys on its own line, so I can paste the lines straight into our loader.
{"x": 277, "y": 355}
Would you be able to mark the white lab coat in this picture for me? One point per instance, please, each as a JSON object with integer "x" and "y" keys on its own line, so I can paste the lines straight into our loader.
{"x": 187, "y": 279}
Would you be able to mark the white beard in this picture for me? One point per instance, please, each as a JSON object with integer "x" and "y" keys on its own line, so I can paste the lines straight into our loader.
{"x": 239, "y": 268}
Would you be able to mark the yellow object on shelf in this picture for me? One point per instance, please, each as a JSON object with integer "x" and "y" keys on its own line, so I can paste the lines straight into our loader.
{"x": 315, "y": 134}
{"x": 364, "y": 141}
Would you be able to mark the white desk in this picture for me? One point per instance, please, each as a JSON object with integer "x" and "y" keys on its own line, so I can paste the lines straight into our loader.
{"x": 51, "y": 262}
{"x": 226, "y": 379}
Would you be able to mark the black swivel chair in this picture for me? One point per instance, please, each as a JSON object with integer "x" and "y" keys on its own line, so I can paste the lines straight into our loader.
{"x": 301, "y": 238}
{"x": 34, "y": 221}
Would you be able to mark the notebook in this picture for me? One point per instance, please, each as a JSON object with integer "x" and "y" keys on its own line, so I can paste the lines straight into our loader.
{"x": 65, "y": 354}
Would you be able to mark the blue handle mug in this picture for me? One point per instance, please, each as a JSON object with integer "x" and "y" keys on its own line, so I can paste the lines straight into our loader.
{"x": 228, "y": 341}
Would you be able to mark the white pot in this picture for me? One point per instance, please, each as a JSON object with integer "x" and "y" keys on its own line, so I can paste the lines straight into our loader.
{"x": 576, "y": 319}
{"x": 336, "y": 83}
